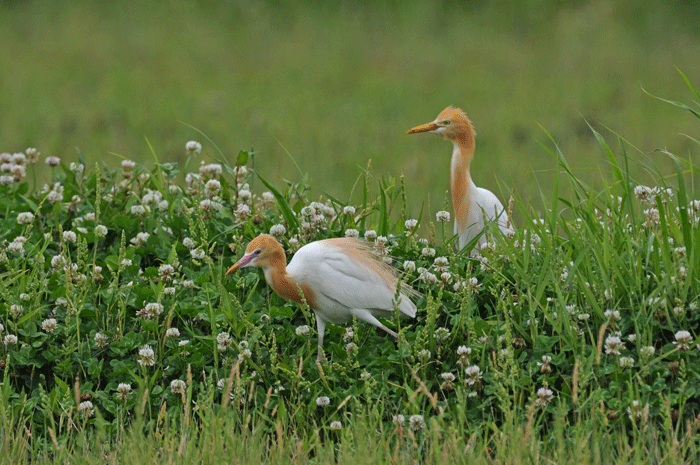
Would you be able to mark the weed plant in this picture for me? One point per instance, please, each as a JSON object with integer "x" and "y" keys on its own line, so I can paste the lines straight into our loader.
{"x": 572, "y": 340}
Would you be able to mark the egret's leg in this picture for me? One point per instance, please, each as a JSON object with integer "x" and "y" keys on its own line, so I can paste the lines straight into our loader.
{"x": 321, "y": 327}
{"x": 367, "y": 317}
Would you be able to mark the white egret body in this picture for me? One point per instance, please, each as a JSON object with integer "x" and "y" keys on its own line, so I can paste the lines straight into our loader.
{"x": 471, "y": 204}
{"x": 338, "y": 278}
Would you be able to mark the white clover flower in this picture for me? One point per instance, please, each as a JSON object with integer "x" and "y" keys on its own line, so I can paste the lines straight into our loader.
{"x": 302, "y": 330}
{"x": 153, "y": 309}
{"x": 626, "y": 362}
{"x": 77, "y": 168}
{"x": 169, "y": 290}
{"x": 128, "y": 165}
{"x": 464, "y": 351}
{"x": 336, "y": 425}
{"x": 123, "y": 390}
{"x": 25, "y": 217}
{"x": 411, "y": 224}
{"x": 370, "y": 235}
{"x": 442, "y": 216}
{"x": 643, "y": 193}
{"x": 189, "y": 243}
{"x": 474, "y": 285}
{"x": 409, "y": 266}
{"x": 323, "y": 401}
{"x": 473, "y": 373}
{"x": 177, "y": 386}
{"x": 308, "y": 212}
{"x": 398, "y": 420}
{"x": 428, "y": 252}
{"x": 193, "y": 148}
{"x": 352, "y": 233}
{"x": 647, "y": 351}
{"x": 442, "y": 334}
{"x": 10, "y": 339}
{"x": 683, "y": 340}
{"x": 213, "y": 186}
{"x": 70, "y": 236}
{"x": 365, "y": 375}
{"x": 242, "y": 212}
{"x": 424, "y": 354}
{"x": 2, "y": 328}
{"x": 416, "y": 422}
{"x": 268, "y": 196}
{"x": 140, "y": 239}
{"x": 197, "y": 253}
{"x": 53, "y": 161}
{"x": 544, "y": 396}
{"x": 184, "y": 342}
{"x": 349, "y": 210}
{"x": 223, "y": 341}
{"x": 126, "y": 262}
{"x": 87, "y": 407}
{"x": 147, "y": 357}
{"x": 652, "y": 217}
{"x": 49, "y": 325}
{"x": 101, "y": 230}
{"x": 278, "y": 230}
{"x": 16, "y": 247}
{"x": 613, "y": 345}
{"x": 447, "y": 377}
{"x": 138, "y": 210}
{"x": 166, "y": 272}
{"x": 16, "y": 310}
{"x": 428, "y": 278}
{"x": 188, "y": 283}
{"x": 172, "y": 332}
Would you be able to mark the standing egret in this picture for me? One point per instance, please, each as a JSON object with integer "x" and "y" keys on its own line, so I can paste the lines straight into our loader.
{"x": 338, "y": 278}
{"x": 471, "y": 204}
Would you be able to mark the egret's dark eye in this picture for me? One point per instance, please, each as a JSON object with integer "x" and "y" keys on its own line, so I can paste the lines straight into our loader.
{"x": 257, "y": 252}
{"x": 446, "y": 122}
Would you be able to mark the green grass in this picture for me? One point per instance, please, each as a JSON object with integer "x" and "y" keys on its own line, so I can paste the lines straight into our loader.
{"x": 574, "y": 325}
{"x": 340, "y": 84}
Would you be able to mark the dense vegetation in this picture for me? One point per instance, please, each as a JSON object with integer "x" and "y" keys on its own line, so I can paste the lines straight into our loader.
{"x": 574, "y": 339}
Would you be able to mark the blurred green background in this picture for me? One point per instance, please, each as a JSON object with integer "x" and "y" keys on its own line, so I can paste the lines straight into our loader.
{"x": 337, "y": 83}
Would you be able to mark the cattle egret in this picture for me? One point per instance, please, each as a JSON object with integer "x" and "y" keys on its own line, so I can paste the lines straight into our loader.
{"x": 338, "y": 278}
{"x": 471, "y": 204}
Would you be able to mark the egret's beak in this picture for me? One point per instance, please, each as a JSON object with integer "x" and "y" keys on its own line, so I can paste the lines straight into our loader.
{"x": 429, "y": 127}
{"x": 242, "y": 263}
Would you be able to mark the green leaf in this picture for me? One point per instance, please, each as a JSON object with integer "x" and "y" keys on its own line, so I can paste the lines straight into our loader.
{"x": 242, "y": 158}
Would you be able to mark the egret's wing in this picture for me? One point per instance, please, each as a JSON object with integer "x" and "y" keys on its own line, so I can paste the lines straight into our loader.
{"x": 331, "y": 272}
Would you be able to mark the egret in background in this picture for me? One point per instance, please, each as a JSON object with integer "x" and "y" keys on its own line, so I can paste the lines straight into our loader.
{"x": 471, "y": 204}
{"x": 338, "y": 278}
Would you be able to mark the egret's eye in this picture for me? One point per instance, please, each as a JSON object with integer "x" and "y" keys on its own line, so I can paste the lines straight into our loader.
{"x": 446, "y": 122}
{"x": 257, "y": 252}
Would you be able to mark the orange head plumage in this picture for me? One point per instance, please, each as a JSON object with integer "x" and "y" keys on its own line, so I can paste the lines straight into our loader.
{"x": 451, "y": 124}
{"x": 262, "y": 251}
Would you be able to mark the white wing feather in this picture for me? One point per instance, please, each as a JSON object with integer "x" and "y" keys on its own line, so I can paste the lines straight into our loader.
{"x": 341, "y": 284}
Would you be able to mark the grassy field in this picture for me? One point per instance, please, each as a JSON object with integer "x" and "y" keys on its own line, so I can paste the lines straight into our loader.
{"x": 574, "y": 340}
{"x": 338, "y": 85}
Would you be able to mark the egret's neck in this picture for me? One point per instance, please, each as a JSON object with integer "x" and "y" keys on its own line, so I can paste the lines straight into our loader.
{"x": 284, "y": 285}
{"x": 461, "y": 180}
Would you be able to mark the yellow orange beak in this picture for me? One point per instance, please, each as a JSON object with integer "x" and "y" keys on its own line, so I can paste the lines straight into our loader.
{"x": 424, "y": 128}
{"x": 242, "y": 263}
